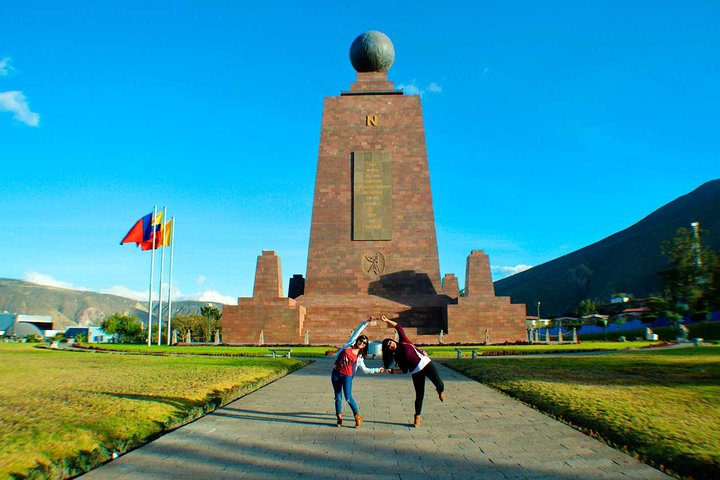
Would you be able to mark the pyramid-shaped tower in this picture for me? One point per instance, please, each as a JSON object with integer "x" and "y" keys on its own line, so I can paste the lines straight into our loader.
{"x": 373, "y": 247}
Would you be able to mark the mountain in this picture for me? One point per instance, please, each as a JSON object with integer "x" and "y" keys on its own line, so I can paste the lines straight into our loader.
{"x": 74, "y": 307}
{"x": 627, "y": 261}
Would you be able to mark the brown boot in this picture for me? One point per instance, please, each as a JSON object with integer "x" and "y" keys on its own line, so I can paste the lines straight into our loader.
{"x": 358, "y": 421}
{"x": 441, "y": 395}
{"x": 418, "y": 421}
{"x": 339, "y": 419}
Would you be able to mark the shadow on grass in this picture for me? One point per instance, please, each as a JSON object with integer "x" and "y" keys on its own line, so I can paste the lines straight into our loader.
{"x": 187, "y": 412}
{"x": 642, "y": 370}
{"x": 177, "y": 402}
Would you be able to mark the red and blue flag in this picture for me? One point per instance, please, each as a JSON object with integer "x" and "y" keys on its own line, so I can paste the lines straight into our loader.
{"x": 143, "y": 230}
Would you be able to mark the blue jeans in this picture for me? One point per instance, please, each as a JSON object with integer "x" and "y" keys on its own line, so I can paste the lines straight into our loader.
{"x": 343, "y": 383}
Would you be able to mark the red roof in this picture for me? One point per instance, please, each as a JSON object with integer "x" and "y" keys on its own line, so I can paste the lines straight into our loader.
{"x": 636, "y": 310}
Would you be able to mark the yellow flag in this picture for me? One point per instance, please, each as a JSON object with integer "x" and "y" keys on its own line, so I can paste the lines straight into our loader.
{"x": 166, "y": 234}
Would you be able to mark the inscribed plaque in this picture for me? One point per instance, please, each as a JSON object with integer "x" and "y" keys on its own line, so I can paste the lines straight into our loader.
{"x": 372, "y": 196}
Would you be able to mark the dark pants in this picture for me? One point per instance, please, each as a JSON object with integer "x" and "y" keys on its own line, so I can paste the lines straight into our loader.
{"x": 419, "y": 383}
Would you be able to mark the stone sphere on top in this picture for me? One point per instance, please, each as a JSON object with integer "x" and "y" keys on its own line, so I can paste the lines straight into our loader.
{"x": 372, "y": 52}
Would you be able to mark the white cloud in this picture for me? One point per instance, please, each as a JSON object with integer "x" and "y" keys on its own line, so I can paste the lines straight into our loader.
{"x": 15, "y": 102}
{"x": 5, "y": 67}
{"x": 47, "y": 280}
{"x": 502, "y": 271}
{"x": 177, "y": 296}
{"x": 434, "y": 88}
{"x": 216, "y": 297}
{"x": 410, "y": 89}
{"x": 413, "y": 89}
{"x": 211, "y": 296}
{"x": 123, "y": 291}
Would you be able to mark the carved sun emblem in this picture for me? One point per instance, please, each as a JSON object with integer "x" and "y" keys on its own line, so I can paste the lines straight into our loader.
{"x": 373, "y": 264}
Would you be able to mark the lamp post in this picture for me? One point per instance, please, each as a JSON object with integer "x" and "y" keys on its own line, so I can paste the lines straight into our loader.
{"x": 538, "y": 320}
{"x": 559, "y": 329}
{"x": 208, "y": 315}
{"x": 696, "y": 233}
{"x": 605, "y": 323}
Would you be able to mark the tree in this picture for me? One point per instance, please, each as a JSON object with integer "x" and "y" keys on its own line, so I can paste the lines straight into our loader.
{"x": 189, "y": 323}
{"x": 126, "y": 328}
{"x": 689, "y": 282}
{"x": 213, "y": 321}
{"x": 586, "y": 307}
{"x": 657, "y": 306}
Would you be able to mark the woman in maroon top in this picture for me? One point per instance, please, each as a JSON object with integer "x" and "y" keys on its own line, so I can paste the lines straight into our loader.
{"x": 412, "y": 360}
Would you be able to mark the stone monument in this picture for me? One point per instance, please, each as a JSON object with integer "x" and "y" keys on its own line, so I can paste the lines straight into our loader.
{"x": 373, "y": 247}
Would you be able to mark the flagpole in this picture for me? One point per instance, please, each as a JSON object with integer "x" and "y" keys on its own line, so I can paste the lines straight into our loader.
{"x": 162, "y": 271}
{"x": 172, "y": 257}
{"x": 152, "y": 278}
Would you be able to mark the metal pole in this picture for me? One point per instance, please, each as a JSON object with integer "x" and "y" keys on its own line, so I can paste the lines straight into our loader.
{"x": 172, "y": 258}
{"x": 162, "y": 270}
{"x": 152, "y": 278}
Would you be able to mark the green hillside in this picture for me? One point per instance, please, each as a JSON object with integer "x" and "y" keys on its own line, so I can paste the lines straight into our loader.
{"x": 74, "y": 307}
{"x": 627, "y": 261}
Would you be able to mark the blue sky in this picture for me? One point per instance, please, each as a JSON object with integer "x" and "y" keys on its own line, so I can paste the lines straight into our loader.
{"x": 550, "y": 125}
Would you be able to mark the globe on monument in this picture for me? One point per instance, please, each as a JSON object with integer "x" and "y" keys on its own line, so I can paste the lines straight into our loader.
{"x": 372, "y": 52}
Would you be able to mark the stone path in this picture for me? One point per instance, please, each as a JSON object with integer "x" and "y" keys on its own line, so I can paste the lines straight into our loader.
{"x": 287, "y": 430}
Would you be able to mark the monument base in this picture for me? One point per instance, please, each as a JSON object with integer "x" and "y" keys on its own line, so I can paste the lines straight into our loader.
{"x": 433, "y": 318}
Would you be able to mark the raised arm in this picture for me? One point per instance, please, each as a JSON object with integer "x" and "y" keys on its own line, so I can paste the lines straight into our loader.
{"x": 354, "y": 335}
{"x": 357, "y": 332}
{"x": 401, "y": 332}
{"x": 388, "y": 321}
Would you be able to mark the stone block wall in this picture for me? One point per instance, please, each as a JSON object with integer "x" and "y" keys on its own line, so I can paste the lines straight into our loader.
{"x": 480, "y": 312}
{"x": 279, "y": 319}
{"x": 334, "y": 258}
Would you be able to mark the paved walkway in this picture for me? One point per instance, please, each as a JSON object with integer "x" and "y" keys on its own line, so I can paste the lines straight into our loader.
{"x": 287, "y": 430}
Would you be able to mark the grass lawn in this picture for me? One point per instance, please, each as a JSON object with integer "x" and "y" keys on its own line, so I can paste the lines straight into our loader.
{"x": 661, "y": 405}
{"x": 444, "y": 351}
{"x": 710, "y": 331}
{"x": 450, "y": 351}
{"x": 82, "y": 406}
{"x": 264, "y": 351}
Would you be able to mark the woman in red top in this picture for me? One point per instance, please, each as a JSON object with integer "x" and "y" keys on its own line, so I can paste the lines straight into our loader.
{"x": 348, "y": 360}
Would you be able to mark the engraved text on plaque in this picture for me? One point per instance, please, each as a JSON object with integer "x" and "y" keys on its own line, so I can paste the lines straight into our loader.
{"x": 372, "y": 196}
